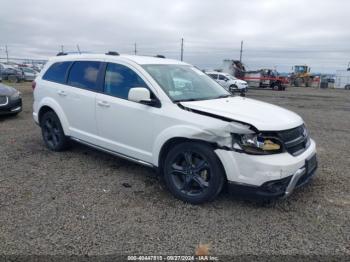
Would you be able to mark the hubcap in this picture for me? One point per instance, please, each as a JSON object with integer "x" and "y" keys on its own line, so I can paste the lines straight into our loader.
{"x": 190, "y": 173}
{"x": 51, "y": 132}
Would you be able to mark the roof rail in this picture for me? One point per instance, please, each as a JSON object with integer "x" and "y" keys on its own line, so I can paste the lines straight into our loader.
{"x": 112, "y": 53}
{"x": 159, "y": 56}
{"x": 61, "y": 53}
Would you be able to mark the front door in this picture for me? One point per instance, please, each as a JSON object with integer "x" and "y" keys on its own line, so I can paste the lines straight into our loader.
{"x": 124, "y": 126}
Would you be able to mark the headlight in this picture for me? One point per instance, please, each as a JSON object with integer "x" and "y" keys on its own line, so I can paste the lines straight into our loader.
{"x": 15, "y": 96}
{"x": 257, "y": 144}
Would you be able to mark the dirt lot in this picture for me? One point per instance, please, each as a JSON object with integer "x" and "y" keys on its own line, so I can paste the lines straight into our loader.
{"x": 79, "y": 201}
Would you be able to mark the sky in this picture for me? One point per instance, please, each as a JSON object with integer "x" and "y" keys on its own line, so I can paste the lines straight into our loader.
{"x": 276, "y": 33}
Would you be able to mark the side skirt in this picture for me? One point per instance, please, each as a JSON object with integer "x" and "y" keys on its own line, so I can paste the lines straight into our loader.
{"x": 113, "y": 152}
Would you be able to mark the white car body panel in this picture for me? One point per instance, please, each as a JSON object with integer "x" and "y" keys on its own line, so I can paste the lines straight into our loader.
{"x": 263, "y": 116}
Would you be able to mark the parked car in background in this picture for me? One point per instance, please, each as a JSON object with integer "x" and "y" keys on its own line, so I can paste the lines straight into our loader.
{"x": 342, "y": 79}
{"x": 169, "y": 115}
{"x": 10, "y": 100}
{"x": 29, "y": 73}
{"x": 229, "y": 82}
{"x": 12, "y": 74}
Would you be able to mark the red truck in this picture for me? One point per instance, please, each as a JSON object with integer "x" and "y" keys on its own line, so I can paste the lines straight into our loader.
{"x": 263, "y": 78}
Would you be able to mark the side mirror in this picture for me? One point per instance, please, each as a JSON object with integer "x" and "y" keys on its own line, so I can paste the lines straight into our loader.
{"x": 142, "y": 95}
{"x": 139, "y": 94}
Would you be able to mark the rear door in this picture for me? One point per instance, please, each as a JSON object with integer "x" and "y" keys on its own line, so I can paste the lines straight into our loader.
{"x": 78, "y": 98}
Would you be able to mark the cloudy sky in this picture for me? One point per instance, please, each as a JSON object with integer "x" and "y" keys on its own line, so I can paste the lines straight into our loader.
{"x": 276, "y": 33}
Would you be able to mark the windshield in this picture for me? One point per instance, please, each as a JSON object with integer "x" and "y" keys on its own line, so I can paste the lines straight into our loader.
{"x": 185, "y": 83}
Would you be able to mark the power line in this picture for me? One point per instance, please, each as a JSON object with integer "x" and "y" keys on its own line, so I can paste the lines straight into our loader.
{"x": 182, "y": 49}
{"x": 240, "y": 55}
{"x": 7, "y": 54}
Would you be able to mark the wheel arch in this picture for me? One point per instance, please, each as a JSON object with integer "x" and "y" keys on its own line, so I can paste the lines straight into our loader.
{"x": 51, "y": 105}
{"x": 175, "y": 141}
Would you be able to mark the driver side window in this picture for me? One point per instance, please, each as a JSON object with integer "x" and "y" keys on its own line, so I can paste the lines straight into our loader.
{"x": 119, "y": 79}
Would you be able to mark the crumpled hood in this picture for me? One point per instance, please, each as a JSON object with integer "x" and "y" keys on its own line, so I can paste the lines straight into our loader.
{"x": 6, "y": 90}
{"x": 241, "y": 81}
{"x": 263, "y": 116}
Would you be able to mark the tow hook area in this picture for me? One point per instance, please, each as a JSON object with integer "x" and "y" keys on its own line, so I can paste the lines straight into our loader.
{"x": 294, "y": 180}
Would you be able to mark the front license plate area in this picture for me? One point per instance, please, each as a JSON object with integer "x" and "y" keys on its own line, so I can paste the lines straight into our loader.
{"x": 311, "y": 164}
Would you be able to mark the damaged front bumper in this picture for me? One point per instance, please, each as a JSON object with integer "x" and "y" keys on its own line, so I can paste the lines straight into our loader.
{"x": 276, "y": 188}
{"x": 269, "y": 176}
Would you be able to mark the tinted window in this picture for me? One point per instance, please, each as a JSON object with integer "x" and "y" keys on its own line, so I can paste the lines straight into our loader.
{"x": 213, "y": 76}
{"x": 119, "y": 79}
{"x": 57, "y": 72}
{"x": 221, "y": 77}
{"x": 83, "y": 74}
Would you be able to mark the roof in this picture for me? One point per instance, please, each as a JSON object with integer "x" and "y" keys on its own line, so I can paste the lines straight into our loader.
{"x": 216, "y": 72}
{"x": 142, "y": 60}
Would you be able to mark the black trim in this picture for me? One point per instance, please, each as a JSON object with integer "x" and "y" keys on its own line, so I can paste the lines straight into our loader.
{"x": 112, "y": 53}
{"x": 269, "y": 190}
{"x": 223, "y": 118}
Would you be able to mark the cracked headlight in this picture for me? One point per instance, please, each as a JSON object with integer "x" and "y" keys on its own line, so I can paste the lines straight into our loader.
{"x": 257, "y": 144}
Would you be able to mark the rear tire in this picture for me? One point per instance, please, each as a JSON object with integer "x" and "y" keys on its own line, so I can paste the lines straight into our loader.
{"x": 193, "y": 173}
{"x": 52, "y": 132}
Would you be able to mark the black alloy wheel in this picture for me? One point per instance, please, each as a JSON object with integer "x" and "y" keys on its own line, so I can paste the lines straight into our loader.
{"x": 52, "y": 132}
{"x": 193, "y": 173}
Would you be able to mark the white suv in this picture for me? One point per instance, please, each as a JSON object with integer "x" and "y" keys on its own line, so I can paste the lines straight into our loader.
{"x": 171, "y": 116}
{"x": 229, "y": 82}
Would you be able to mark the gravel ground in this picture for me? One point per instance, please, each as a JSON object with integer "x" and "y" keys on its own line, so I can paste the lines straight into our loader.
{"x": 82, "y": 201}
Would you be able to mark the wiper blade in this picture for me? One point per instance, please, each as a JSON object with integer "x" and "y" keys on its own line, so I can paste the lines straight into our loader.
{"x": 185, "y": 100}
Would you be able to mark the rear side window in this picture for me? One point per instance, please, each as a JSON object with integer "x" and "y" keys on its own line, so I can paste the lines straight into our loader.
{"x": 213, "y": 76}
{"x": 119, "y": 79}
{"x": 57, "y": 72}
{"x": 84, "y": 74}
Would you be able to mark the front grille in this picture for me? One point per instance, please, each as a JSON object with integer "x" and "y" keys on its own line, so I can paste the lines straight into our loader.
{"x": 3, "y": 100}
{"x": 295, "y": 140}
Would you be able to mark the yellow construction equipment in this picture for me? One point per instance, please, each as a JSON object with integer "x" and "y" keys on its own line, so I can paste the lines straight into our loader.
{"x": 301, "y": 76}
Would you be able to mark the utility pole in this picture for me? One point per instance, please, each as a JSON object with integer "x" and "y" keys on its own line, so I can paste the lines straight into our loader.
{"x": 135, "y": 49}
{"x": 7, "y": 54}
{"x": 182, "y": 49}
{"x": 78, "y": 49}
{"x": 240, "y": 55}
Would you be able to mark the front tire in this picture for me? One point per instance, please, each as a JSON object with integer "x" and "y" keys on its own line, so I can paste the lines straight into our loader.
{"x": 193, "y": 173}
{"x": 52, "y": 132}
{"x": 233, "y": 88}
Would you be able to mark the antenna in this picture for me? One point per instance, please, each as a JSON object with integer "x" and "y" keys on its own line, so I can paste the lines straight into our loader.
{"x": 78, "y": 48}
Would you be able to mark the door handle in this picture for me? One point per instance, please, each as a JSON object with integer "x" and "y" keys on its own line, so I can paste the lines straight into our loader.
{"x": 62, "y": 93}
{"x": 103, "y": 103}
